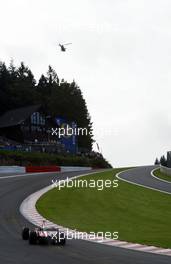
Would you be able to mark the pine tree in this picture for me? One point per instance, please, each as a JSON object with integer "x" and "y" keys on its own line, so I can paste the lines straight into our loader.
{"x": 4, "y": 88}
{"x": 18, "y": 88}
{"x": 156, "y": 162}
{"x": 169, "y": 159}
{"x": 163, "y": 161}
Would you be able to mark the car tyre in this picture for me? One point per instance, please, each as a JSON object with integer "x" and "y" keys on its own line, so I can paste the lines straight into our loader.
{"x": 25, "y": 233}
{"x": 33, "y": 238}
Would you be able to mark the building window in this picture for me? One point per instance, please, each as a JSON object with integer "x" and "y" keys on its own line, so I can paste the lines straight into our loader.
{"x": 37, "y": 119}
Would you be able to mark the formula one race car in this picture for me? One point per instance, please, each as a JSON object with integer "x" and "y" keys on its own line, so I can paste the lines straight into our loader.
{"x": 44, "y": 236}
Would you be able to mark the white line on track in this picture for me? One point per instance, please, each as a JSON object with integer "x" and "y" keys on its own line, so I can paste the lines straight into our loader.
{"x": 28, "y": 210}
{"x": 138, "y": 184}
{"x": 159, "y": 179}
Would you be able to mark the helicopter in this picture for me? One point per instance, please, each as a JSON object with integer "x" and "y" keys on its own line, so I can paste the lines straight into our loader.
{"x": 62, "y": 46}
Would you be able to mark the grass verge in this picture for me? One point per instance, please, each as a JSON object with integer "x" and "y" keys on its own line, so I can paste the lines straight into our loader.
{"x": 23, "y": 158}
{"x": 161, "y": 175}
{"x": 139, "y": 215}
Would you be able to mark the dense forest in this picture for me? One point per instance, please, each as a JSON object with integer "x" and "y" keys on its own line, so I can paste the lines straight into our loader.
{"x": 19, "y": 88}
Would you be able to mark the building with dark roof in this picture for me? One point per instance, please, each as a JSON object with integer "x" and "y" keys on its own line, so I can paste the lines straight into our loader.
{"x": 31, "y": 128}
{"x": 26, "y": 124}
{"x": 17, "y": 116}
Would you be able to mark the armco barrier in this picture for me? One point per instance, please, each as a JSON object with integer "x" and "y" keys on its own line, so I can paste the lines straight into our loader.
{"x": 32, "y": 169}
{"x": 12, "y": 169}
{"x": 42, "y": 168}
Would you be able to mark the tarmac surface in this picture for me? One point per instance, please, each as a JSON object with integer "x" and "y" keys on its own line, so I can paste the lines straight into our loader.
{"x": 13, "y": 190}
{"x": 142, "y": 176}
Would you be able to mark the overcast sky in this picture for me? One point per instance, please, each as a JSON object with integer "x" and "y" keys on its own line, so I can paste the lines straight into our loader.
{"x": 120, "y": 57}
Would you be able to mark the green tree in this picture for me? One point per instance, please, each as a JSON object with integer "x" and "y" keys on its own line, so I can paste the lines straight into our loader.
{"x": 163, "y": 161}
{"x": 4, "y": 88}
{"x": 22, "y": 87}
{"x": 18, "y": 88}
{"x": 156, "y": 162}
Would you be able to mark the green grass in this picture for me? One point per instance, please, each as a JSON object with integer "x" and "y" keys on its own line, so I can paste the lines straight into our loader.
{"x": 161, "y": 175}
{"x": 139, "y": 215}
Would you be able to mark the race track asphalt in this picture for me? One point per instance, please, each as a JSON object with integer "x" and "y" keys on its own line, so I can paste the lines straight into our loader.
{"x": 142, "y": 176}
{"x": 13, "y": 250}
